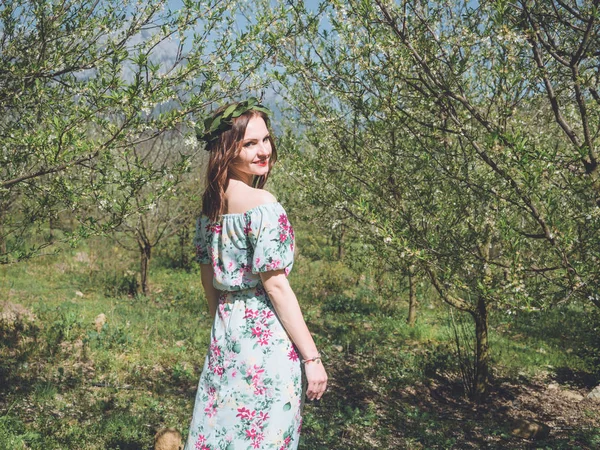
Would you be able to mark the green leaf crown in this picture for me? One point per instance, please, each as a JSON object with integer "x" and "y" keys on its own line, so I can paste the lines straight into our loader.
{"x": 217, "y": 124}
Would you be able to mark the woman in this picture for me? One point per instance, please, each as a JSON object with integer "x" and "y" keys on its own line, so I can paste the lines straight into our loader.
{"x": 250, "y": 391}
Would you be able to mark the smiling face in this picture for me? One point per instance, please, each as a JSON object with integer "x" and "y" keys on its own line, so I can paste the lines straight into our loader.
{"x": 255, "y": 153}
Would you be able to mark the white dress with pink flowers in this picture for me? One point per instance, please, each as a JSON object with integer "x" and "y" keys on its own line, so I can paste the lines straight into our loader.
{"x": 250, "y": 390}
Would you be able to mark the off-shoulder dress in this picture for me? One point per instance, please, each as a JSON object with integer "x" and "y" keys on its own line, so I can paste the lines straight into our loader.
{"x": 250, "y": 390}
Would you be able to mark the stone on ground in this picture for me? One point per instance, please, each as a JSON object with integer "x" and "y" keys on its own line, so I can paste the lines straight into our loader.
{"x": 168, "y": 439}
{"x": 528, "y": 429}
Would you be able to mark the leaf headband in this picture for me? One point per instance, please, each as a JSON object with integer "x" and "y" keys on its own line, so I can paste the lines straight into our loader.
{"x": 223, "y": 121}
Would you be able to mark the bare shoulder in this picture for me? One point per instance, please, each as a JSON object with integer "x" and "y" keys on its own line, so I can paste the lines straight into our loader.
{"x": 248, "y": 198}
{"x": 261, "y": 196}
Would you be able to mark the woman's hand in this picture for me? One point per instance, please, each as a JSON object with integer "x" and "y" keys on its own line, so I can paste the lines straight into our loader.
{"x": 317, "y": 379}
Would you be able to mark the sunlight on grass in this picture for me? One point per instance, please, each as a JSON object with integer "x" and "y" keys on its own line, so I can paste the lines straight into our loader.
{"x": 72, "y": 381}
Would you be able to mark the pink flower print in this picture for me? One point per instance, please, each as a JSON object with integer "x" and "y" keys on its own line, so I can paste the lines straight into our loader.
{"x": 282, "y": 237}
{"x": 254, "y": 371}
{"x": 214, "y": 228}
{"x": 273, "y": 265}
{"x": 263, "y": 340}
{"x": 245, "y": 414}
{"x": 267, "y": 313}
{"x": 223, "y": 312}
{"x": 256, "y": 442}
{"x": 283, "y": 220}
{"x": 287, "y": 271}
{"x": 218, "y": 370}
{"x": 251, "y": 314}
{"x": 262, "y": 418}
{"x": 210, "y": 409}
{"x": 267, "y": 333}
{"x": 256, "y": 331}
{"x": 259, "y": 388}
{"x": 214, "y": 348}
{"x": 257, "y": 262}
{"x": 251, "y": 433}
{"x": 248, "y": 228}
{"x": 200, "y": 443}
{"x": 292, "y": 355}
{"x": 230, "y": 265}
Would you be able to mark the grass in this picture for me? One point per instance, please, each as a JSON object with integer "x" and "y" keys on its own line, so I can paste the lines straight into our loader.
{"x": 68, "y": 383}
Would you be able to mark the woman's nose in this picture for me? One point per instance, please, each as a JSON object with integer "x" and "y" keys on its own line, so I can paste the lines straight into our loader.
{"x": 264, "y": 147}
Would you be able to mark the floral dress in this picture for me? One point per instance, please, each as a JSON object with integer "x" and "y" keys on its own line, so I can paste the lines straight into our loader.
{"x": 250, "y": 391}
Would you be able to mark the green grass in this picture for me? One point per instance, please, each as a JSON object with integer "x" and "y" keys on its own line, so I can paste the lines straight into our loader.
{"x": 66, "y": 384}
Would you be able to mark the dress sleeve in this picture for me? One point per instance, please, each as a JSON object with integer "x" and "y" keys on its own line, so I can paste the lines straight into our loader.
{"x": 199, "y": 242}
{"x": 272, "y": 239}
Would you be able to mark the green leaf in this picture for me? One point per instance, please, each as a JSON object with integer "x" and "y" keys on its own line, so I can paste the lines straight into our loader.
{"x": 229, "y": 110}
{"x": 287, "y": 406}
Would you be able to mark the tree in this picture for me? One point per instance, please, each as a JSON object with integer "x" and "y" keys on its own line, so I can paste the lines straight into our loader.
{"x": 417, "y": 120}
{"x": 82, "y": 83}
{"x": 164, "y": 205}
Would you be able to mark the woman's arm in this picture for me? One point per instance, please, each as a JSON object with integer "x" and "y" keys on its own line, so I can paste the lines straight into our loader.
{"x": 286, "y": 305}
{"x": 212, "y": 293}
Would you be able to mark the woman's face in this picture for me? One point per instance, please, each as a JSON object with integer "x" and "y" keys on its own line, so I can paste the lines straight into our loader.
{"x": 253, "y": 158}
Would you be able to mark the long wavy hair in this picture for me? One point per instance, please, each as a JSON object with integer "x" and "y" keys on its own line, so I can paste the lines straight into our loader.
{"x": 223, "y": 152}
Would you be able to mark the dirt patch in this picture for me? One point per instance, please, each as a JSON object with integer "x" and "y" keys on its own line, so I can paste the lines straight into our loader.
{"x": 566, "y": 412}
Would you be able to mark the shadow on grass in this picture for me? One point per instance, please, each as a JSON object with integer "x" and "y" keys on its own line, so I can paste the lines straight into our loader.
{"x": 397, "y": 387}
{"x": 360, "y": 413}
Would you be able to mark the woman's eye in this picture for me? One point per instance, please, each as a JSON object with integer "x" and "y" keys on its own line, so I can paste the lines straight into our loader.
{"x": 248, "y": 144}
{"x": 266, "y": 139}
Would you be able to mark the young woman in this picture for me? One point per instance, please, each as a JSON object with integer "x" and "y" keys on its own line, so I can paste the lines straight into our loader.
{"x": 250, "y": 393}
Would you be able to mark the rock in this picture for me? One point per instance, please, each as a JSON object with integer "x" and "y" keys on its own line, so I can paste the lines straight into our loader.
{"x": 168, "y": 439}
{"x": 14, "y": 319}
{"x": 571, "y": 395}
{"x": 339, "y": 348}
{"x": 99, "y": 322}
{"x": 79, "y": 293}
{"x": 14, "y": 312}
{"x": 595, "y": 394}
{"x": 553, "y": 387}
{"x": 528, "y": 429}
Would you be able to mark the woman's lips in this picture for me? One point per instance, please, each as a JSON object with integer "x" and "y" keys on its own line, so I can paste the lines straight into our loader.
{"x": 262, "y": 163}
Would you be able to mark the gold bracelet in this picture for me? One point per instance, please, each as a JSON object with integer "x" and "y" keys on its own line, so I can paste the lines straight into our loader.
{"x": 316, "y": 359}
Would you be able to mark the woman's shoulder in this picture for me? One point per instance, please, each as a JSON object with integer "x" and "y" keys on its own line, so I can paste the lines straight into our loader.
{"x": 249, "y": 199}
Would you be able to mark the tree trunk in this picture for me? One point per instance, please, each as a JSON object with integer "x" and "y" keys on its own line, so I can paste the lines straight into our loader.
{"x": 184, "y": 245}
{"x": 340, "y": 247}
{"x": 2, "y": 239}
{"x": 412, "y": 297}
{"x": 50, "y": 228}
{"x": 145, "y": 255}
{"x": 482, "y": 351}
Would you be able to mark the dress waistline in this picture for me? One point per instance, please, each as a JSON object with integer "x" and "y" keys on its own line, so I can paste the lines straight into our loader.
{"x": 257, "y": 292}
